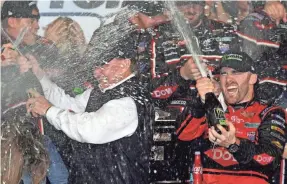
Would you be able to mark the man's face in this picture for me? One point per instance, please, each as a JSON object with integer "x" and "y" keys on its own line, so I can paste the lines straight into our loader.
{"x": 33, "y": 25}
{"x": 235, "y": 85}
{"x": 192, "y": 12}
{"x": 112, "y": 72}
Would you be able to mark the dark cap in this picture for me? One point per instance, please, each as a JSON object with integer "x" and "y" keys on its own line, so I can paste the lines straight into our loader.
{"x": 19, "y": 9}
{"x": 190, "y": 2}
{"x": 241, "y": 62}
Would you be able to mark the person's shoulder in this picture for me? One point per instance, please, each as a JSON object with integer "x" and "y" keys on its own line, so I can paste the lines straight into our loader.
{"x": 275, "y": 112}
{"x": 258, "y": 19}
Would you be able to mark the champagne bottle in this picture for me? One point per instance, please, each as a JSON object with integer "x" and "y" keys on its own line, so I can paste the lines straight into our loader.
{"x": 214, "y": 112}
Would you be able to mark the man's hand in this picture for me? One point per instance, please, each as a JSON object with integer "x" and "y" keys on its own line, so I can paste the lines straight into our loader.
{"x": 276, "y": 11}
{"x": 38, "y": 105}
{"x": 204, "y": 85}
{"x": 9, "y": 55}
{"x": 226, "y": 138}
{"x": 24, "y": 64}
{"x": 143, "y": 21}
{"x": 189, "y": 70}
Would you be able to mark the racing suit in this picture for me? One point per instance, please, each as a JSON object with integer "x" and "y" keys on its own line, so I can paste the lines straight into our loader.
{"x": 261, "y": 130}
{"x": 170, "y": 156}
{"x": 168, "y": 50}
{"x": 265, "y": 43}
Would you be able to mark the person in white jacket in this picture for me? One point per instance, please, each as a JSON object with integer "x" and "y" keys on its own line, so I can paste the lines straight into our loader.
{"x": 116, "y": 119}
{"x": 117, "y": 112}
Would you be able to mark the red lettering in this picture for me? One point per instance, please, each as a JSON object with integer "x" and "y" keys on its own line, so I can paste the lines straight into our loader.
{"x": 163, "y": 92}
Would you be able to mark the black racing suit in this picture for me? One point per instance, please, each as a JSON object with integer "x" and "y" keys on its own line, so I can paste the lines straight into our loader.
{"x": 168, "y": 50}
{"x": 265, "y": 43}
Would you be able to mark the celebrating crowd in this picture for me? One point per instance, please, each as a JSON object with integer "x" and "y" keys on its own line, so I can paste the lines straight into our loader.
{"x": 133, "y": 105}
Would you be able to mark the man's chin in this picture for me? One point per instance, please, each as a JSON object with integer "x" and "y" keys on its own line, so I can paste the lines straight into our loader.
{"x": 230, "y": 99}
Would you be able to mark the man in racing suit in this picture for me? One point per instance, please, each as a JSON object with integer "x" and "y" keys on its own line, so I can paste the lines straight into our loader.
{"x": 169, "y": 84}
{"x": 250, "y": 151}
{"x": 168, "y": 50}
{"x": 263, "y": 37}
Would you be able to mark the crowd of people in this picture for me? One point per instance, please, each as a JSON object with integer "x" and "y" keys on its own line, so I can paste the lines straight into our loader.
{"x": 131, "y": 105}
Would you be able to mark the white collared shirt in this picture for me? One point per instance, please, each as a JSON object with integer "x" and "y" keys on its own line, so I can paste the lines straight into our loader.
{"x": 116, "y": 119}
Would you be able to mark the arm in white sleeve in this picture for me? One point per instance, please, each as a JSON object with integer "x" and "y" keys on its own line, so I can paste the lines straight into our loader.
{"x": 60, "y": 99}
{"x": 114, "y": 120}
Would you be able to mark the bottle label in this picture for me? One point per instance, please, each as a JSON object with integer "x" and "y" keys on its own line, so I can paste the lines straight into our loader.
{"x": 219, "y": 115}
{"x": 197, "y": 170}
{"x": 222, "y": 122}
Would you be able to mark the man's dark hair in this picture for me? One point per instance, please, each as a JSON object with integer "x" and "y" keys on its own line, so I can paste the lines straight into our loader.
{"x": 19, "y": 9}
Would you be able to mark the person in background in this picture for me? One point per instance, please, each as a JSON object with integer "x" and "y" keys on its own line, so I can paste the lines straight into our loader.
{"x": 69, "y": 38}
{"x": 22, "y": 150}
{"x": 231, "y": 12}
{"x": 16, "y": 80}
{"x": 261, "y": 40}
{"x": 67, "y": 35}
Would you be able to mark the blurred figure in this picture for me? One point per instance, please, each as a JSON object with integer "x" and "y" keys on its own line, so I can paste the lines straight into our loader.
{"x": 22, "y": 150}
{"x": 14, "y": 21}
{"x": 16, "y": 77}
{"x": 18, "y": 15}
{"x": 15, "y": 17}
{"x": 67, "y": 36}
{"x": 231, "y": 12}
{"x": 258, "y": 30}
{"x": 261, "y": 40}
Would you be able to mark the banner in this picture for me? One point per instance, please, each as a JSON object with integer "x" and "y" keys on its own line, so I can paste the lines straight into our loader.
{"x": 89, "y": 14}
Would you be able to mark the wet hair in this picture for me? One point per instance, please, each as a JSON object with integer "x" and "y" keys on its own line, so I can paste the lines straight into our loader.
{"x": 22, "y": 150}
{"x": 72, "y": 37}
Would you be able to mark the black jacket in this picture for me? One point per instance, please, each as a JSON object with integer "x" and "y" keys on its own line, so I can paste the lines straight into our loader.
{"x": 124, "y": 161}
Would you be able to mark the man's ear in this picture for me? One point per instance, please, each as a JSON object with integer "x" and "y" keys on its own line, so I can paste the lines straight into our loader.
{"x": 13, "y": 22}
{"x": 123, "y": 65}
{"x": 253, "y": 79}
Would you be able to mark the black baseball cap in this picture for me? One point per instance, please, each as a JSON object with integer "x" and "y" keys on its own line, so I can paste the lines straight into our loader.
{"x": 19, "y": 9}
{"x": 240, "y": 61}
